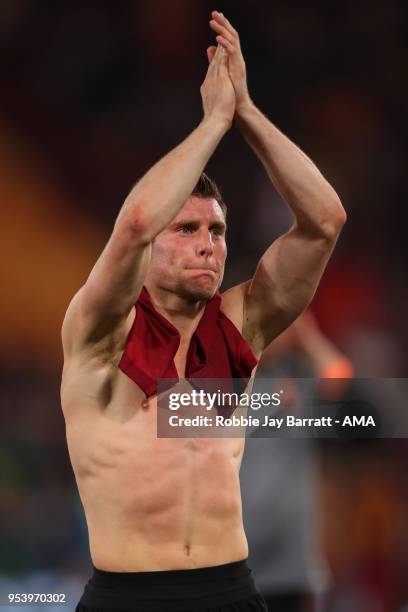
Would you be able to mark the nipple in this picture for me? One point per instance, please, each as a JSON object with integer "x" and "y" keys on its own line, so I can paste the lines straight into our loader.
{"x": 145, "y": 404}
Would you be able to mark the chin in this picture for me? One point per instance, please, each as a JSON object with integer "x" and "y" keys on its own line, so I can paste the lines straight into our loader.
{"x": 197, "y": 292}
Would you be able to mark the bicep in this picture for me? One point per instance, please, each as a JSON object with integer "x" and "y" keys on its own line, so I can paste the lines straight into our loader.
{"x": 104, "y": 302}
{"x": 284, "y": 282}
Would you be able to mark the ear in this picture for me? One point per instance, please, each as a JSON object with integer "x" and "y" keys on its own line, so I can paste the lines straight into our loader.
{"x": 210, "y": 53}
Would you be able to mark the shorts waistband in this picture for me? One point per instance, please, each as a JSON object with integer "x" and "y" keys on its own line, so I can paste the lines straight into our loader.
{"x": 213, "y": 573}
{"x": 177, "y": 590}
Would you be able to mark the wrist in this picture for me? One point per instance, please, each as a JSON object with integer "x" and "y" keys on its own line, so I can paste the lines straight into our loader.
{"x": 245, "y": 107}
{"x": 217, "y": 122}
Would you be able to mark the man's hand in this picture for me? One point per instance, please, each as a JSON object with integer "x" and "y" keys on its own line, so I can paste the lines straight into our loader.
{"x": 217, "y": 91}
{"x": 228, "y": 39}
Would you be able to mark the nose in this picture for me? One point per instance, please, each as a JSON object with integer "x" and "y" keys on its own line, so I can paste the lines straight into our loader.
{"x": 205, "y": 244}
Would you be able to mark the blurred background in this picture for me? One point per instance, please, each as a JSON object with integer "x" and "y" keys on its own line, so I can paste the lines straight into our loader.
{"x": 92, "y": 94}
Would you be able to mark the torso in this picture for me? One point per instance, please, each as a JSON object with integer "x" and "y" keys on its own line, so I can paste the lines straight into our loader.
{"x": 150, "y": 503}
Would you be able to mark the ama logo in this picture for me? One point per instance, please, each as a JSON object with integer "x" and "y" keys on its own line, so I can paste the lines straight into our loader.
{"x": 358, "y": 421}
{"x": 358, "y": 418}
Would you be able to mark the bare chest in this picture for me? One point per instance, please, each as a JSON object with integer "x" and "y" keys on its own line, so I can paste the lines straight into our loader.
{"x": 180, "y": 358}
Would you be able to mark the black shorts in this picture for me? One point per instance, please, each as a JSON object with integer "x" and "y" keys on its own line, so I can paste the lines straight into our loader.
{"x": 223, "y": 588}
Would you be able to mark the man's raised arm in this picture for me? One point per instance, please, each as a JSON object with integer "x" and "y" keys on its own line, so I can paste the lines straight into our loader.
{"x": 102, "y": 305}
{"x": 290, "y": 270}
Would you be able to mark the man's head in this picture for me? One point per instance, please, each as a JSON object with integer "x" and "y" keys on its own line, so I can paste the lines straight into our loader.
{"x": 188, "y": 256}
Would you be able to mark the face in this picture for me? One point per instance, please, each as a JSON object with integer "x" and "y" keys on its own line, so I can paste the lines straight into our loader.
{"x": 188, "y": 256}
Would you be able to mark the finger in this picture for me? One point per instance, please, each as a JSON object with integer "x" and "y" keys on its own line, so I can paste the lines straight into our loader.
{"x": 225, "y": 44}
{"x": 222, "y": 30}
{"x": 210, "y": 53}
{"x": 222, "y": 63}
{"x": 219, "y": 17}
{"x": 215, "y": 61}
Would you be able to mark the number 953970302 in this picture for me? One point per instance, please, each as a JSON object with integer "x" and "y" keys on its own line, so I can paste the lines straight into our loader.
{"x": 22, "y": 598}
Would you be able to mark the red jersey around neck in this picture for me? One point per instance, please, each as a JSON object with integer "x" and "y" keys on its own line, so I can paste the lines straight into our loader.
{"x": 217, "y": 349}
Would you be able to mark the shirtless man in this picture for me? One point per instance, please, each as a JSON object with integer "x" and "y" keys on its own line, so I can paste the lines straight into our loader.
{"x": 164, "y": 515}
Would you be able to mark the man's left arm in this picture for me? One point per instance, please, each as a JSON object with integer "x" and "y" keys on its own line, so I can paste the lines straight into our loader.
{"x": 289, "y": 272}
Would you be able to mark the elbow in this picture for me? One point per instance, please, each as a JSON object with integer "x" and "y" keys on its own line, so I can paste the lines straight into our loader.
{"x": 334, "y": 219}
{"x": 139, "y": 226}
{"x": 340, "y": 213}
{"x": 135, "y": 225}
{"x": 324, "y": 225}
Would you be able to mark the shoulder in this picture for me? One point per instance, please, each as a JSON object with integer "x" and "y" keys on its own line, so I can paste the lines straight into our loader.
{"x": 71, "y": 322}
{"x": 77, "y": 339}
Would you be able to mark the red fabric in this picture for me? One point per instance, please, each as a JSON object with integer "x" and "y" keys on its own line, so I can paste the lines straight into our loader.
{"x": 217, "y": 349}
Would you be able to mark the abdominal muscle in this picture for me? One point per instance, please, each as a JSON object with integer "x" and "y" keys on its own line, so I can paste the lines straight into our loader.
{"x": 154, "y": 503}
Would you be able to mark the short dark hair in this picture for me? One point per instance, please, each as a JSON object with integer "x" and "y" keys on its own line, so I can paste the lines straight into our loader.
{"x": 207, "y": 188}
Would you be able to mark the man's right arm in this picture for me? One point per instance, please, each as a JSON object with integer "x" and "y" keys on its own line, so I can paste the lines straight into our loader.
{"x": 102, "y": 305}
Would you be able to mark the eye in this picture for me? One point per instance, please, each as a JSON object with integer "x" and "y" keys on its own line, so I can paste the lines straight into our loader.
{"x": 217, "y": 231}
{"x": 185, "y": 229}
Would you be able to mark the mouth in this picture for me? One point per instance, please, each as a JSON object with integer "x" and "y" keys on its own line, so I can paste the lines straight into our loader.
{"x": 205, "y": 271}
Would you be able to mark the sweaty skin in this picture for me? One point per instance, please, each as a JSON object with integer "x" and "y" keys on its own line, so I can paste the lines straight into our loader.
{"x": 155, "y": 503}
{"x": 150, "y": 503}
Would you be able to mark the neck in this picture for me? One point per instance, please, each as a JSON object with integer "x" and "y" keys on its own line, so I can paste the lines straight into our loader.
{"x": 182, "y": 313}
